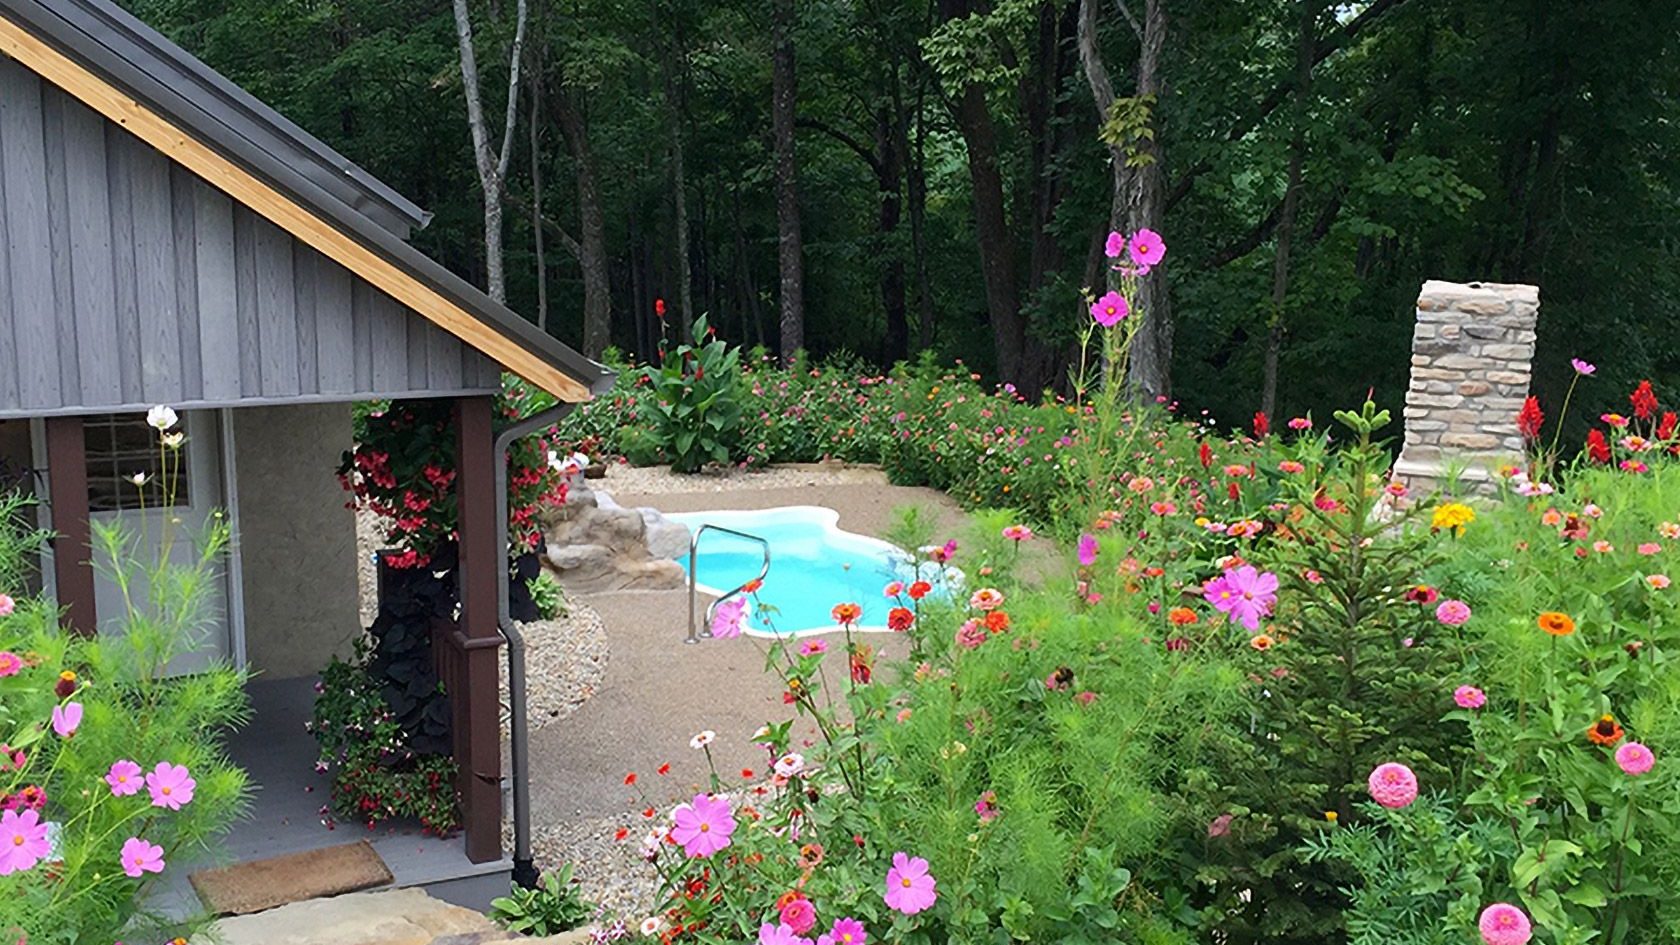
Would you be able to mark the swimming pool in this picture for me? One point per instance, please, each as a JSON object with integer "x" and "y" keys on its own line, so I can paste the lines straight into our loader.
{"x": 813, "y": 566}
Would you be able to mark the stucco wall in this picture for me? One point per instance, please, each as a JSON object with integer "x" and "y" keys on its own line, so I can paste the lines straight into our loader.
{"x": 297, "y": 540}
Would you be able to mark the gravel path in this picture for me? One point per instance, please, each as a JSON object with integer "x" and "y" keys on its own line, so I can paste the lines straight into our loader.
{"x": 624, "y": 479}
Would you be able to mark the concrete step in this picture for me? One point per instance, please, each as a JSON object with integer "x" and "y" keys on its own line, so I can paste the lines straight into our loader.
{"x": 389, "y": 917}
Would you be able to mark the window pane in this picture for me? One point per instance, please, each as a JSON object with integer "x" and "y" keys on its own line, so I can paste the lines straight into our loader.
{"x": 120, "y": 446}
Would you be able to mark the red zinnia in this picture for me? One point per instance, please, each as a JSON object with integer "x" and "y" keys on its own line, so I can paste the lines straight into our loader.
{"x": 997, "y": 621}
{"x": 1644, "y": 400}
{"x": 900, "y": 619}
{"x": 919, "y": 590}
{"x": 1597, "y": 447}
{"x": 1530, "y": 418}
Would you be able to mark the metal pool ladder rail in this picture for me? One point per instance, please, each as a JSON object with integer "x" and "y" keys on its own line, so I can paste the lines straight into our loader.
{"x": 695, "y": 634}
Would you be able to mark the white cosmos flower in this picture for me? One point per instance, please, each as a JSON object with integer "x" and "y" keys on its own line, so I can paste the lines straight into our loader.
{"x": 702, "y": 740}
{"x": 652, "y": 925}
{"x": 139, "y": 478}
{"x": 174, "y": 440}
{"x": 161, "y": 418}
{"x": 790, "y": 765}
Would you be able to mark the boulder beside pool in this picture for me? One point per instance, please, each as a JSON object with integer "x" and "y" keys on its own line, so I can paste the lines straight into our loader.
{"x": 595, "y": 545}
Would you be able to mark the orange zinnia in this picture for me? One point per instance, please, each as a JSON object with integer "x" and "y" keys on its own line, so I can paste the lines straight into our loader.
{"x": 1606, "y": 731}
{"x": 1262, "y": 642}
{"x": 1181, "y": 616}
{"x": 1557, "y": 624}
{"x": 997, "y": 621}
{"x": 846, "y": 613}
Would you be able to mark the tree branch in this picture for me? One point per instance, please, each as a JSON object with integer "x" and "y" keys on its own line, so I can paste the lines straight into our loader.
{"x": 515, "y": 59}
{"x": 868, "y": 154}
{"x": 1126, "y": 12}
{"x": 550, "y": 224}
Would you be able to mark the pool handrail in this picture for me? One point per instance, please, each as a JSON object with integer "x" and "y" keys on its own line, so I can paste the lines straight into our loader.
{"x": 695, "y": 635}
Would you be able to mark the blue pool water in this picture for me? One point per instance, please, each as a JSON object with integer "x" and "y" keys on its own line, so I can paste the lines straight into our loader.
{"x": 813, "y": 565}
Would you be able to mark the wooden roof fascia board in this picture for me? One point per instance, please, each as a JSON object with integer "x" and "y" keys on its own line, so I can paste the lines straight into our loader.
{"x": 222, "y": 173}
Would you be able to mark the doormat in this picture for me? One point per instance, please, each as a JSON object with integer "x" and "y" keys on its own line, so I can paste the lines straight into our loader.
{"x": 263, "y": 884}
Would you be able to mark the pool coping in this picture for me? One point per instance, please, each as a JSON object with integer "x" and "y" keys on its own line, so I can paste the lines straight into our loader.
{"x": 829, "y": 519}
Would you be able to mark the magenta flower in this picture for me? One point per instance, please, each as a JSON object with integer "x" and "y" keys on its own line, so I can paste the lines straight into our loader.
{"x": 703, "y": 825}
{"x": 1243, "y": 594}
{"x": 986, "y": 807}
{"x": 1219, "y": 826}
{"x": 139, "y": 857}
{"x": 1452, "y": 612}
{"x": 1393, "y": 785}
{"x": 10, "y": 664}
{"x": 1504, "y": 924}
{"x": 779, "y": 935}
{"x": 170, "y": 785}
{"x": 1087, "y": 550}
{"x": 1115, "y": 247}
{"x": 727, "y": 618}
{"x": 1635, "y": 759}
{"x": 66, "y": 717}
{"x": 23, "y": 841}
{"x": 813, "y": 648}
{"x": 1147, "y": 248}
{"x": 909, "y": 887}
{"x": 799, "y": 915}
{"x": 1469, "y": 697}
{"x": 1110, "y": 309}
{"x": 124, "y": 778}
{"x": 1581, "y": 367}
{"x": 847, "y": 931}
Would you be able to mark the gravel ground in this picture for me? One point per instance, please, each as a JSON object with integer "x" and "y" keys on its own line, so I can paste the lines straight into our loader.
{"x": 565, "y": 659}
{"x": 624, "y": 479}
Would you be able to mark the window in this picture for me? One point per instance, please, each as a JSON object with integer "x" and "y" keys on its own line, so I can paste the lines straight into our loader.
{"x": 121, "y": 446}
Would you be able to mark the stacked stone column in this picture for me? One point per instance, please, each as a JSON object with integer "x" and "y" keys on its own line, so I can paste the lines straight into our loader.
{"x": 1472, "y": 350}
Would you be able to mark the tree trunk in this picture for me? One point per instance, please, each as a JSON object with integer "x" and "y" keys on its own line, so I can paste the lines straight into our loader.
{"x": 1305, "y": 47}
{"x": 789, "y": 242}
{"x": 492, "y": 165}
{"x": 889, "y": 179}
{"x": 592, "y": 225}
{"x": 917, "y": 193}
{"x": 537, "y": 197}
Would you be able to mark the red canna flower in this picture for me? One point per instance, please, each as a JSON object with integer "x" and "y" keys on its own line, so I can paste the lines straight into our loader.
{"x": 1644, "y": 400}
{"x": 1262, "y": 426}
{"x": 1665, "y": 429}
{"x": 1205, "y": 453}
{"x": 659, "y": 308}
{"x": 1597, "y": 447}
{"x": 1233, "y": 491}
{"x": 1530, "y": 419}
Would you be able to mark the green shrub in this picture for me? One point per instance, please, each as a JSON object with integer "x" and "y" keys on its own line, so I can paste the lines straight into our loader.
{"x": 696, "y": 401}
{"x": 553, "y": 906}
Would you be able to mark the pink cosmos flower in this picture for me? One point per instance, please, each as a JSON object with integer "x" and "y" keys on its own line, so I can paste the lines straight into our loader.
{"x": 847, "y": 931}
{"x": 779, "y": 935}
{"x": 703, "y": 825}
{"x": 170, "y": 785}
{"x": 1115, "y": 246}
{"x": 909, "y": 887}
{"x": 813, "y": 647}
{"x": 1243, "y": 594}
{"x": 1453, "y": 613}
{"x": 1581, "y": 367}
{"x": 1649, "y": 548}
{"x": 124, "y": 778}
{"x": 799, "y": 915}
{"x": 986, "y": 598}
{"x": 1393, "y": 785}
{"x": 1469, "y": 697}
{"x": 1110, "y": 309}
{"x": 1504, "y": 924}
{"x": 1635, "y": 759}
{"x": 971, "y": 634}
{"x": 1147, "y": 248}
{"x": 893, "y": 589}
{"x": 986, "y": 807}
{"x": 10, "y": 664}
{"x": 7, "y": 605}
{"x": 65, "y": 718}
{"x": 728, "y": 617}
{"x": 1087, "y": 550}
{"x": 23, "y": 841}
{"x": 139, "y": 857}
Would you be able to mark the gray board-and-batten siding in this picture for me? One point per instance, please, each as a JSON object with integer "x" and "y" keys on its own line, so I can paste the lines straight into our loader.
{"x": 126, "y": 281}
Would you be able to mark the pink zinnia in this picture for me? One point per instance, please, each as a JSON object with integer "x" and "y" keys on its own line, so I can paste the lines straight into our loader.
{"x": 1635, "y": 759}
{"x": 23, "y": 841}
{"x": 1147, "y": 248}
{"x": 799, "y": 915}
{"x": 1243, "y": 594}
{"x": 986, "y": 598}
{"x": 812, "y": 648}
{"x": 66, "y": 717}
{"x": 893, "y": 589}
{"x": 1393, "y": 785}
{"x": 10, "y": 664}
{"x": 909, "y": 887}
{"x": 170, "y": 785}
{"x": 140, "y": 857}
{"x": 779, "y": 935}
{"x": 703, "y": 825}
{"x": 1300, "y": 423}
{"x": 1504, "y": 924}
{"x": 971, "y": 634}
{"x": 728, "y": 617}
{"x": 1657, "y": 581}
{"x": 846, "y": 931}
{"x": 1110, "y": 309}
{"x": 1469, "y": 697}
{"x": 1013, "y": 533}
{"x": 1453, "y": 613}
{"x": 124, "y": 778}
{"x": 1649, "y": 548}
{"x": 1087, "y": 550}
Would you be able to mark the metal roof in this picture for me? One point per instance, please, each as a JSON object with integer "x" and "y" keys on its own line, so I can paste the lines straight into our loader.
{"x": 166, "y": 79}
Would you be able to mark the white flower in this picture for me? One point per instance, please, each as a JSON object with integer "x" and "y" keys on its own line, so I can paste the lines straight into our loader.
{"x": 790, "y": 765}
{"x": 652, "y": 925}
{"x": 174, "y": 440}
{"x": 702, "y": 740}
{"x": 161, "y": 418}
{"x": 139, "y": 478}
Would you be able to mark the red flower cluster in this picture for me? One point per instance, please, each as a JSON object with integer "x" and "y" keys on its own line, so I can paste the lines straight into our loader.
{"x": 1530, "y": 419}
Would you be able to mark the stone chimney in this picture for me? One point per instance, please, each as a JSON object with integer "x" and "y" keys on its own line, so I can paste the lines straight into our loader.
{"x": 1472, "y": 350}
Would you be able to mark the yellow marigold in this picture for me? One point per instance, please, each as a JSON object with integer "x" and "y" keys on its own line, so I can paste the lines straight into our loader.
{"x": 1331, "y": 816}
{"x": 1453, "y": 515}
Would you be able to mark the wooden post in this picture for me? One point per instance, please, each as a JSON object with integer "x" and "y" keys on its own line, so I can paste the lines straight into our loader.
{"x": 73, "y": 542}
{"x": 474, "y": 695}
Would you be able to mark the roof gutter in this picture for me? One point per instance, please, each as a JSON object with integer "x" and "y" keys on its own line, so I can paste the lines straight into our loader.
{"x": 524, "y": 869}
